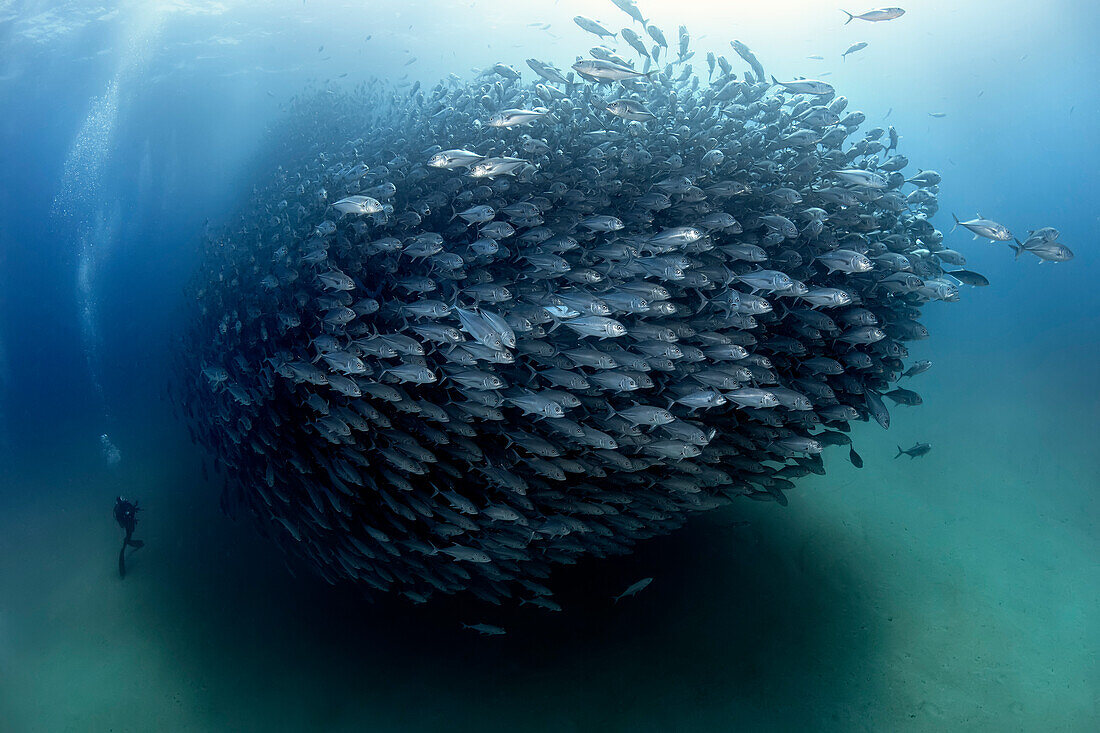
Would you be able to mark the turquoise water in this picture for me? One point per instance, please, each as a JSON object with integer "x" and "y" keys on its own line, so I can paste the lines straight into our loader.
{"x": 958, "y": 591}
{"x": 955, "y": 592}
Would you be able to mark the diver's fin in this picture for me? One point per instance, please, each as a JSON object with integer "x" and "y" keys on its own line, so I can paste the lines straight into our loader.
{"x": 136, "y": 544}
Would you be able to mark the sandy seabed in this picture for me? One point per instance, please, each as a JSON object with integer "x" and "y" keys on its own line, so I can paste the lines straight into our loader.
{"x": 954, "y": 592}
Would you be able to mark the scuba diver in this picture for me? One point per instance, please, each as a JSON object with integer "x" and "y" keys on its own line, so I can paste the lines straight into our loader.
{"x": 126, "y": 516}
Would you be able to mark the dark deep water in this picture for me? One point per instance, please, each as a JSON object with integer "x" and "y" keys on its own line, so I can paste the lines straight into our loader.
{"x": 954, "y": 592}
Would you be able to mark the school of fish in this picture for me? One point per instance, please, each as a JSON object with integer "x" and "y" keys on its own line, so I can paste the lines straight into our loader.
{"x": 468, "y": 333}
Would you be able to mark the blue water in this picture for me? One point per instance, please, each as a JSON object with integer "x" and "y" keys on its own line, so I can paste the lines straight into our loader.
{"x": 955, "y": 592}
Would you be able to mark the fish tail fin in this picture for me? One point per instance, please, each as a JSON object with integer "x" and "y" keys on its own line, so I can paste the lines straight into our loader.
{"x": 850, "y": 16}
{"x": 774, "y": 80}
{"x": 702, "y": 300}
{"x": 900, "y": 451}
{"x": 1018, "y": 248}
{"x": 957, "y": 222}
{"x": 855, "y": 458}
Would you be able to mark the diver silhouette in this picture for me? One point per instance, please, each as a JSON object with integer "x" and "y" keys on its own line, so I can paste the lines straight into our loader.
{"x": 126, "y": 516}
